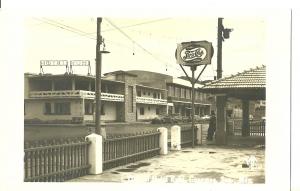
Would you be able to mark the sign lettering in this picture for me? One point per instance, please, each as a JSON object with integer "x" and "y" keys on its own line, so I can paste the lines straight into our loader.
{"x": 194, "y": 53}
{"x": 54, "y": 62}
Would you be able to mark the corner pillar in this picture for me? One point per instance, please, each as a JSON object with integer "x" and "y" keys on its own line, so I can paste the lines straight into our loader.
{"x": 245, "y": 122}
{"x": 221, "y": 120}
{"x": 163, "y": 140}
{"x": 95, "y": 153}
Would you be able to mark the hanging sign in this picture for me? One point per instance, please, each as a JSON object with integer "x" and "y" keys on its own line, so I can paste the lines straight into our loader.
{"x": 194, "y": 53}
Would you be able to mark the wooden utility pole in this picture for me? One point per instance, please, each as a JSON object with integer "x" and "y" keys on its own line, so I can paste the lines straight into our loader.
{"x": 219, "y": 54}
{"x": 98, "y": 78}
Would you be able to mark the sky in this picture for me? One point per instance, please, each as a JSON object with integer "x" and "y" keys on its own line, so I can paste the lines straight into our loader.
{"x": 142, "y": 43}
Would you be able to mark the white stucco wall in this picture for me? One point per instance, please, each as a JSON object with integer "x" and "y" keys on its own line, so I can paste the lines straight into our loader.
{"x": 148, "y": 114}
{"x": 110, "y": 111}
{"x": 35, "y": 110}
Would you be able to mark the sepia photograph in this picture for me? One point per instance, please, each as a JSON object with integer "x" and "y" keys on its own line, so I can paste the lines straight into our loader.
{"x": 124, "y": 96}
{"x": 145, "y": 100}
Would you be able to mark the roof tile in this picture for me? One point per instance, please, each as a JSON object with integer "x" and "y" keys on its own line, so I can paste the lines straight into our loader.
{"x": 253, "y": 78}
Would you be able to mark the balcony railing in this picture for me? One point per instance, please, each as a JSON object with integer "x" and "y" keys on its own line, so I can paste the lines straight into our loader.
{"x": 149, "y": 100}
{"x": 197, "y": 101}
{"x": 76, "y": 94}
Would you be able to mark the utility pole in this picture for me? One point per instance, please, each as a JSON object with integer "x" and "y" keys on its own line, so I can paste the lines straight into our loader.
{"x": 219, "y": 54}
{"x": 223, "y": 33}
{"x": 98, "y": 78}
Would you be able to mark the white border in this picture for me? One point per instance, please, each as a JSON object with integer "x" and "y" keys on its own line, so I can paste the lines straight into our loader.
{"x": 11, "y": 17}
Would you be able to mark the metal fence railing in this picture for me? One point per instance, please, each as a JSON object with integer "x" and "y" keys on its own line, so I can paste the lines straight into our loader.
{"x": 257, "y": 127}
{"x": 55, "y": 160}
{"x": 186, "y": 136}
{"x": 123, "y": 149}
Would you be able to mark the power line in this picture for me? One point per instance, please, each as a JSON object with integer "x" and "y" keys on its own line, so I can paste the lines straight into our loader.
{"x": 68, "y": 26}
{"x": 70, "y": 29}
{"x": 133, "y": 25}
{"x": 86, "y": 35}
{"x": 133, "y": 41}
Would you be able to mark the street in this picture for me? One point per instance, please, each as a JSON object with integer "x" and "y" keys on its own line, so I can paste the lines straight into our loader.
{"x": 208, "y": 164}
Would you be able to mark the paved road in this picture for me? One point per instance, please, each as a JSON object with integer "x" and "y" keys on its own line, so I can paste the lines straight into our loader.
{"x": 208, "y": 164}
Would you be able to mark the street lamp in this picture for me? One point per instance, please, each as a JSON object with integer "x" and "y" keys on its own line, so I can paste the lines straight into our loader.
{"x": 99, "y": 52}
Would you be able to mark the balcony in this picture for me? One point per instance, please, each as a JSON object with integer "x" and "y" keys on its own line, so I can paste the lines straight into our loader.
{"x": 76, "y": 94}
{"x": 149, "y": 100}
{"x": 184, "y": 100}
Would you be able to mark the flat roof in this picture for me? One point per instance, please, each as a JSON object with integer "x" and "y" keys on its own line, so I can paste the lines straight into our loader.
{"x": 150, "y": 87}
{"x": 120, "y": 72}
{"x": 51, "y": 76}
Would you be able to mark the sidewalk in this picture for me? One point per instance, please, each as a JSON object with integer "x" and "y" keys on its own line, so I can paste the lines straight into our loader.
{"x": 200, "y": 164}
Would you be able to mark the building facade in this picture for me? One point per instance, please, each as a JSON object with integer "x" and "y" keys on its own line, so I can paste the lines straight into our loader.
{"x": 125, "y": 97}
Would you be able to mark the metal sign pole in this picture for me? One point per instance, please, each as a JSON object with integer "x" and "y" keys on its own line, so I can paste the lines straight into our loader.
{"x": 193, "y": 68}
{"x": 192, "y": 54}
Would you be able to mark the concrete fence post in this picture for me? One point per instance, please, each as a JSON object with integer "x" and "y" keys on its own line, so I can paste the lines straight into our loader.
{"x": 204, "y": 128}
{"x": 95, "y": 153}
{"x": 199, "y": 134}
{"x": 163, "y": 140}
{"x": 175, "y": 138}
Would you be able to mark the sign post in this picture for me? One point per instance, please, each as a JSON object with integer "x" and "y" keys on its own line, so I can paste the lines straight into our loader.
{"x": 193, "y": 54}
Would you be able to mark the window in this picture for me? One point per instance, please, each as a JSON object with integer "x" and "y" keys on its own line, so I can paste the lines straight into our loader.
{"x": 148, "y": 93}
{"x": 170, "y": 91}
{"x": 154, "y": 95}
{"x": 149, "y": 108}
{"x": 47, "y": 109}
{"x": 188, "y": 94}
{"x": 88, "y": 108}
{"x": 142, "y": 111}
{"x": 174, "y": 91}
{"x": 177, "y": 109}
{"x": 157, "y": 111}
{"x": 182, "y": 93}
{"x": 139, "y": 93}
{"x": 62, "y": 108}
{"x": 197, "y": 110}
{"x": 102, "y": 109}
{"x": 177, "y": 92}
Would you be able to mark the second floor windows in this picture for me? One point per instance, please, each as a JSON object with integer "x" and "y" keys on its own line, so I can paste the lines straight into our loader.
{"x": 59, "y": 108}
{"x": 142, "y": 111}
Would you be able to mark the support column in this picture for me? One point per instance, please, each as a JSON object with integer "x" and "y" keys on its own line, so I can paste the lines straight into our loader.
{"x": 175, "y": 138}
{"x": 52, "y": 85}
{"x": 83, "y": 107}
{"x": 90, "y": 86}
{"x": 245, "y": 122}
{"x": 73, "y": 84}
{"x": 163, "y": 140}
{"x": 199, "y": 134}
{"x": 221, "y": 120}
{"x": 95, "y": 153}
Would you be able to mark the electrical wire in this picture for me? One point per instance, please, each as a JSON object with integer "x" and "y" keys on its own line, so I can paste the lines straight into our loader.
{"x": 70, "y": 29}
{"x": 134, "y": 42}
{"x": 133, "y": 25}
{"x": 86, "y": 35}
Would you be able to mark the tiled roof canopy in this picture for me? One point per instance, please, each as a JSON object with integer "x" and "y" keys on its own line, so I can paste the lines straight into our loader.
{"x": 253, "y": 78}
{"x": 248, "y": 83}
